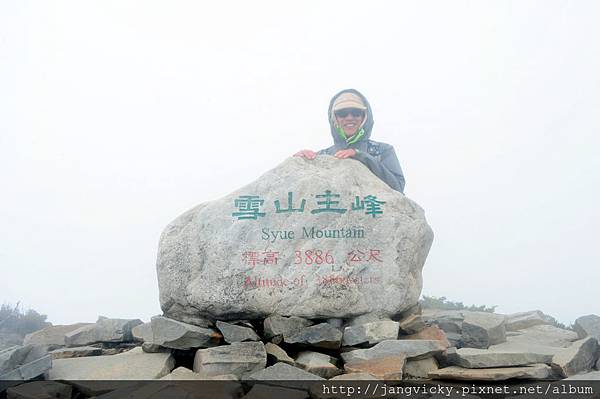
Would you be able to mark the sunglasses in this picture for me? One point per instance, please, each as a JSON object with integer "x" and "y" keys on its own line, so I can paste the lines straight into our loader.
{"x": 355, "y": 112}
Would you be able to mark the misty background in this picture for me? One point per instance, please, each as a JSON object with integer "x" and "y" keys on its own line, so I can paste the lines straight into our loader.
{"x": 117, "y": 116}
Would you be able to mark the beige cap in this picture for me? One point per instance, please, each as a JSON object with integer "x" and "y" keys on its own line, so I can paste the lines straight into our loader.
{"x": 348, "y": 100}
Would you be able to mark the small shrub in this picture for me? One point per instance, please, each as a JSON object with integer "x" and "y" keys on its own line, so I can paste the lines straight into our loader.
{"x": 14, "y": 320}
{"x": 432, "y": 302}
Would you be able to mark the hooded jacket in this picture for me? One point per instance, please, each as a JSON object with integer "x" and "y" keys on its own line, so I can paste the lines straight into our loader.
{"x": 379, "y": 157}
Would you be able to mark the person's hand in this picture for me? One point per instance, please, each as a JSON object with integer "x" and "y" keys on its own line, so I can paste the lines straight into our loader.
{"x": 308, "y": 154}
{"x": 342, "y": 154}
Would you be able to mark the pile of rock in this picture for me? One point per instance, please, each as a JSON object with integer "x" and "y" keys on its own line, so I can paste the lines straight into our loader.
{"x": 444, "y": 345}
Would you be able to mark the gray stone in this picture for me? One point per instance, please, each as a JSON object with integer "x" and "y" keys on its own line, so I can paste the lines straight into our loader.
{"x": 174, "y": 334}
{"x": 279, "y": 354}
{"x": 105, "y": 330}
{"x": 419, "y": 369}
{"x": 131, "y": 365}
{"x": 283, "y": 372}
{"x": 367, "y": 318}
{"x": 370, "y": 333}
{"x": 23, "y": 363}
{"x": 318, "y": 364}
{"x": 40, "y": 389}
{"x": 598, "y": 364}
{"x": 580, "y": 357}
{"x": 355, "y": 377}
{"x": 484, "y": 358}
{"x": 411, "y": 324}
{"x": 143, "y": 332}
{"x": 482, "y": 329}
{"x": 29, "y": 370}
{"x": 239, "y": 358}
{"x": 276, "y": 326}
{"x": 182, "y": 373}
{"x": 540, "y": 339}
{"x": 519, "y": 321}
{"x": 322, "y": 335}
{"x": 447, "y": 320}
{"x": 232, "y": 333}
{"x": 79, "y": 351}
{"x": 417, "y": 349}
{"x": 261, "y": 391}
{"x": 534, "y": 372}
{"x": 149, "y": 347}
{"x": 588, "y": 326}
{"x": 202, "y": 269}
{"x": 590, "y": 376}
{"x": 53, "y": 336}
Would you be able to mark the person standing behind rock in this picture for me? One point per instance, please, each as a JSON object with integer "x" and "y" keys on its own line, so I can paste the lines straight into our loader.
{"x": 351, "y": 122}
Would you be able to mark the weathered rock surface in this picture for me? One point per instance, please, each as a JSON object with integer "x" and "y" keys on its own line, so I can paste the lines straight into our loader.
{"x": 239, "y": 358}
{"x": 53, "y": 336}
{"x": 278, "y": 354}
{"x": 276, "y": 327}
{"x": 535, "y": 372}
{"x": 578, "y": 358}
{"x": 370, "y": 333}
{"x": 450, "y": 321}
{"x": 40, "y": 389}
{"x": 234, "y": 333}
{"x": 282, "y": 372}
{"x": 484, "y": 358}
{"x": 482, "y": 329}
{"x": 411, "y": 324}
{"x": 589, "y": 376}
{"x": 412, "y": 349}
{"x": 429, "y": 333}
{"x": 143, "y": 332}
{"x": 355, "y": 377}
{"x": 385, "y": 368}
{"x": 322, "y": 335}
{"x": 22, "y": 363}
{"x": 214, "y": 260}
{"x": 79, "y": 351}
{"x": 521, "y": 320}
{"x": 131, "y": 365}
{"x": 171, "y": 333}
{"x": 419, "y": 369}
{"x": 318, "y": 363}
{"x": 105, "y": 330}
{"x": 588, "y": 326}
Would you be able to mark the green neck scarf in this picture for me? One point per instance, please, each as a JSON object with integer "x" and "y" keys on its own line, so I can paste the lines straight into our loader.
{"x": 353, "y": 139}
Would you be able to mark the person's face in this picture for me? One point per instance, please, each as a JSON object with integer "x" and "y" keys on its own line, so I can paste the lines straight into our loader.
{"x": 349, "y": 119}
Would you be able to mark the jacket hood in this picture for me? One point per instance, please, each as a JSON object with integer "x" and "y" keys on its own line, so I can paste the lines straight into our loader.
{"x": 367, "y": 127}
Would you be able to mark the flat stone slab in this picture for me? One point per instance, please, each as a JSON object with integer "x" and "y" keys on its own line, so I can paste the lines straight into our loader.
{"x": 276, "y": 327}
{"x": 483, "y": 358}
{"x": 79, "y": 351}
{"x": 419, "y": 369}
{"x": 370, "y": 333}
{"x": 534, "y": 372}
{"x": 579, "y": 358}
{"x": 104, "y": 330}
{"x": 174, "y": 334}
{"x": 283, "y": 372}
{"x": 239, "y": 358}
{"x": 417, "y": 349}
{"x": 521, "y": 320}
{"x": 355, "y": 377}
{"x": 239, "y": 256}
{"x": 132, "y": 365}
{"x": 322, "y": 335}
{"x": 143, "y": 332}
{"x": 234, "y": 333}
{"x": 590, "y": 376}
{"x": 482, "y": 329}
{"x": 429, "y": 333}
{"x": 588, "y": 326}
{"x": 385, "y": 368}
{"x": 53, "y": 336}
{"x": 279, "y": 354}
{"x": 318, "y": 363}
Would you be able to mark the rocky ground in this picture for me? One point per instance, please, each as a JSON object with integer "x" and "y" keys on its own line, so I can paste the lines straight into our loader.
{"x": 418, "y": 345}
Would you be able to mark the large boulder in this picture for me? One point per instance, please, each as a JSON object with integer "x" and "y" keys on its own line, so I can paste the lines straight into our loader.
{"x": 315, "y": 239}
